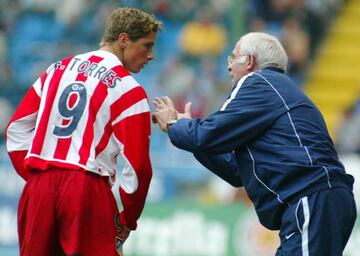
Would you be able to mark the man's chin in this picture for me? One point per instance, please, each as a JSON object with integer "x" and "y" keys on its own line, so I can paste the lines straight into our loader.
{"x": 234, "y": 81}
{"x": 135, "y": 70}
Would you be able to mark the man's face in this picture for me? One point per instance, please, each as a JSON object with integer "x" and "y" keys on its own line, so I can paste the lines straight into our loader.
{"x": 237, "y": 64}
{"x": 138, "y": 53}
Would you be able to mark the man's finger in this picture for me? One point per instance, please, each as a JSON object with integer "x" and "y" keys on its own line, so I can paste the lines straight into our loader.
{"x": 159, "y": 103}
{"x": 168, "y": 101}
{"x": 188, "y": 108}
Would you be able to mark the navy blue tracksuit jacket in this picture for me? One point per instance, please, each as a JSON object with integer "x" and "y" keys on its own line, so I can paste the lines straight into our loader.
{"x": 268, "y": 137}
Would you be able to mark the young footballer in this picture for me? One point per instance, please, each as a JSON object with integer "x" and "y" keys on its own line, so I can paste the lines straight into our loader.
{"x": 64, "y": 139}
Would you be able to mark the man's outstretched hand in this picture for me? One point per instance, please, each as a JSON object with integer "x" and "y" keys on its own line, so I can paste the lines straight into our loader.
{"x": 165, "y": 112}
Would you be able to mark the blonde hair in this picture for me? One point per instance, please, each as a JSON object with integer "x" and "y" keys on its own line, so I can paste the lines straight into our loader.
{"x": 137, "y": 24}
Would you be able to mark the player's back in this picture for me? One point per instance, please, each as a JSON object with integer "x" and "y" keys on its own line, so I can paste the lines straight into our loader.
{"x": 80, "y": 101}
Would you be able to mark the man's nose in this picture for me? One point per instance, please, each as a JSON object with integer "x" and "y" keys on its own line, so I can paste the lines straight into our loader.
{"x": 151, "y": 55}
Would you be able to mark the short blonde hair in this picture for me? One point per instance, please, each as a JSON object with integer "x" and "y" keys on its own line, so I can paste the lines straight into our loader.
{"x": 137, "y": 24}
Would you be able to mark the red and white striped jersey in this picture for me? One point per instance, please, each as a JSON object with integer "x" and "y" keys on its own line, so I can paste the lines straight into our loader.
{"x": 81, "y": 114}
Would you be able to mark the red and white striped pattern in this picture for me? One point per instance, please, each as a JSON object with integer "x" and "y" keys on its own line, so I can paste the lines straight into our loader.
{"x": 115, "y": 121}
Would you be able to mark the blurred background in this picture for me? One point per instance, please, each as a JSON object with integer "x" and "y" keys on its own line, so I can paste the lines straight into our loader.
{"x": 189, "y": 211}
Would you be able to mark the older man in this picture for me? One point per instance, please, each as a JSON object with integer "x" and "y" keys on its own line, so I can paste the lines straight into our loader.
{"x": 271, "y": 139}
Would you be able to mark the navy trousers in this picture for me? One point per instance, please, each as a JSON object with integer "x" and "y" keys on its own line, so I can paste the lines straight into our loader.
{"x": 319, "y": 224}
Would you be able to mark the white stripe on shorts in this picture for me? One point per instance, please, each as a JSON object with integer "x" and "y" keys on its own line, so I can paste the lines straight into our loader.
{"x": 305, "y": 227}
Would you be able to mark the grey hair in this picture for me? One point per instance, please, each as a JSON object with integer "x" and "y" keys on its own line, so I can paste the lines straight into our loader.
{"x": 267, "y": 49}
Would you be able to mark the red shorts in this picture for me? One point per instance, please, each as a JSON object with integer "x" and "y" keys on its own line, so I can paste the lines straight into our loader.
{"x": 63, "y": 212}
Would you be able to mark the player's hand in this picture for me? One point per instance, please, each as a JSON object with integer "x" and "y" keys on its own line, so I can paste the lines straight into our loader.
{"x": 122, "y": 233}
{"x": 120, "y": 238}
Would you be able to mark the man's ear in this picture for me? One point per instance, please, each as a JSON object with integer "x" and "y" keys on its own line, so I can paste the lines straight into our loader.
{"x": 251, "y": 62}
{"x": 123, "y": 39}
